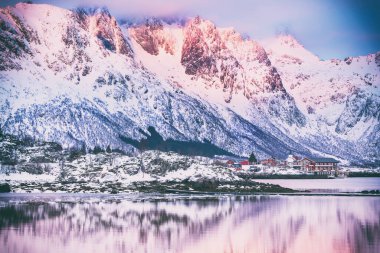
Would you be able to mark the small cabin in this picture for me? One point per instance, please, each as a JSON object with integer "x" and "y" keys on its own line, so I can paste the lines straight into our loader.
{"x": 269, "y": 162}
{"x": 230, "y": 163}
{"x": 246, "y": 162}
{"x": 294, "y": 162}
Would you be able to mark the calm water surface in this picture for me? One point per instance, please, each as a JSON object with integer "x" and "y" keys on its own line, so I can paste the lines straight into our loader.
{"x": 351, "y": 184}
{"x": 167, "y": 223}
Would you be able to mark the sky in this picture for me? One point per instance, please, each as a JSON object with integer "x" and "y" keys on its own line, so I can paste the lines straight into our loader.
{"x": 328, "y": 28}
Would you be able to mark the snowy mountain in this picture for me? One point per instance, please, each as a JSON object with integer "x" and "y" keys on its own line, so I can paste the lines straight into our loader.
{"x": 340, "y": 98}
{"x": 83, "y": 78}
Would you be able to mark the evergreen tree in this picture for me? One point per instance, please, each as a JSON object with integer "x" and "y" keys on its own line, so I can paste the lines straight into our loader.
{"x": 83, "y": 149}
{"x": 252, "y": 158}
{"x": 97, "y": 150}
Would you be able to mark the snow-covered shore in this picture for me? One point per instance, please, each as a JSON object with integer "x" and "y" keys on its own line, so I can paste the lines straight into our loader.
{"x": 113, "y": 172}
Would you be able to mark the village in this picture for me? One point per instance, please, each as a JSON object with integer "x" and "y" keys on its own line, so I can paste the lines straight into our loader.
{"x": 292, "y": 165}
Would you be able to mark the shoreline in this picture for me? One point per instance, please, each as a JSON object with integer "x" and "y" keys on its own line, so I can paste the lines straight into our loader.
{"x": 167, "y": 195}
{"x": 300, "y": 176}
{"x": 154, "y": 186}
{"x": 239, "y": 186}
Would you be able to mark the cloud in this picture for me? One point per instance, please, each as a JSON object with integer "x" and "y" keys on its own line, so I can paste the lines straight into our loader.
{"x": 122, "y": 8}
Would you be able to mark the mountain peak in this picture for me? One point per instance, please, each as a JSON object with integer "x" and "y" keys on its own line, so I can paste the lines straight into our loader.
{"x": 153, "y": 23}
{"x": 33, "y": 8}
{"x": 201, "y": 22}
{"x": 288, "y": 40}
{"x": 92, "y": 11}
{"x": 286, "y": 45}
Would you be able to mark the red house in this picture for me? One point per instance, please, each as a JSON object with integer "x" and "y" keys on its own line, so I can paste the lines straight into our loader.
{"x": 319, "y": 164}
{"x": 230, "y": 162}
{"x": 244, "y": 162}
{"x": 269, "y": 162}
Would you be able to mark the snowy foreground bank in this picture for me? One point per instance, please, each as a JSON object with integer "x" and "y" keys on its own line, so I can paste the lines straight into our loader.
{"x": 152, "y": 171}
{"x": 30, "y": 166}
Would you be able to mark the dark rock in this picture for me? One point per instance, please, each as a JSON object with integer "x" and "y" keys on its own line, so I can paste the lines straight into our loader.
{"x": 5, "y": 188}
{"x": 196, "y": 55}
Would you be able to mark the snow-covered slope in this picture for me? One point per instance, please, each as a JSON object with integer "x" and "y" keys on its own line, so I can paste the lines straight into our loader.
{"x": 80, "y": 77}
{"x": 340, "y": 98}
{"x": 215, "y": 64}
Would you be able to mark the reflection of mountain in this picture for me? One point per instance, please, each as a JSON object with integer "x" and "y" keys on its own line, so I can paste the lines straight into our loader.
{"x": 364, "y": 237}
{"x": 19, "y": 215}
{"x": 147, "y": 225}
{"x": 238, "y": 224}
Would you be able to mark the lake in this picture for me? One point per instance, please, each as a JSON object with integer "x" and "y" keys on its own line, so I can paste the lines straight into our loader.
{"x": 188, "y": 223}
{"x": 350, "y": 184}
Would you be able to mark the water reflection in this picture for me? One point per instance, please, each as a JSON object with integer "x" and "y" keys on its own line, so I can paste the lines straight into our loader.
{"x": 197, "y": 224}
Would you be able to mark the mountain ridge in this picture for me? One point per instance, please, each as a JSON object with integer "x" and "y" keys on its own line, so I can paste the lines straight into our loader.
{"x": 99, "y": 79}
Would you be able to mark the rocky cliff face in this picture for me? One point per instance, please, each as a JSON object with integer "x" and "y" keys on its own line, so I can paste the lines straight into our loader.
{"x": 201, "y": 47}
{"x": 106, "y": 30}
{"x": 15, "y": 37}
{"x": 217, "y": 59}
{"x": 208, "y": 51}
{"x": 340, "y": 98}
{"x": 149, "y": 36}
{"x": 81, "y": 78}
